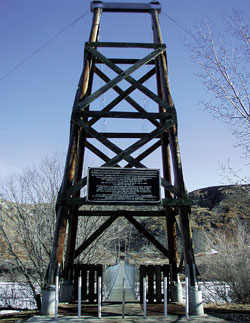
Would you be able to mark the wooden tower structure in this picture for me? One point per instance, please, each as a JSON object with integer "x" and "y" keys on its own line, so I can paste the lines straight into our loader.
{"x": 162, "y": 136}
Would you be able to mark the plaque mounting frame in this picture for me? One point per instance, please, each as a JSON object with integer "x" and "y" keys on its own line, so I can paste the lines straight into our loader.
{"x": 109, "y": 185}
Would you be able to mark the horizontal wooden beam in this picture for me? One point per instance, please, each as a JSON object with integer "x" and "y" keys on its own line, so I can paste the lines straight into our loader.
{"x": 126, "y": 115}
{"x": 121, "y": 213}
{"x": 168, "y": 202}
{"x": 124, "y": 61}
{"x": 122, "y": 135}
{"x": 124, "y": 45}
{"x": 125, "y": 7}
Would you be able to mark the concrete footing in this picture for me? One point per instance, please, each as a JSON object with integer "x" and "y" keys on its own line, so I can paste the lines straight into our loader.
{"x": 195, "y": 302}
{"x": 176, "y": 292}
{"x": 48, "y": 301}
{"x": 66, "y": 292}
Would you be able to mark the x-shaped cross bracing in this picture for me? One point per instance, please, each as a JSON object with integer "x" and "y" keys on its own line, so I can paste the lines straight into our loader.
{"x": 81, "y": 111}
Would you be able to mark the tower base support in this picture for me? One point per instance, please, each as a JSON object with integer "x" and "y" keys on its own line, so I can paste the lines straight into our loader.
{"x": 176, "y": 292}
{"x": 48, "y": 301}
{"x": 195, "y": 301}
{"x": 66, "y": 292}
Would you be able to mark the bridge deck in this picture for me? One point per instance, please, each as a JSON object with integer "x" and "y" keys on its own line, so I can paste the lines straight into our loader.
{"x": 117, "y": 291}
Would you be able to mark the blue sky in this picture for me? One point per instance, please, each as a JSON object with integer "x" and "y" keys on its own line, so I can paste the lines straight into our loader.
{"x": 36, "y": 98}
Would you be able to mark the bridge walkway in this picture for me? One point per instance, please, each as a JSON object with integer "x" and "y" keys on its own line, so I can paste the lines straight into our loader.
{"x": 116, "y": 294}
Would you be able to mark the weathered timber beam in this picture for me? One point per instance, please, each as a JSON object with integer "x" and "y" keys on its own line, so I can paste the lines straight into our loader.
{"x": 146, "y": 152}
{"x": 122, "y": 135}
{"x": 121, "y": 213}
{"x": 125, "y": 7}
{"x": 125, "y": 154}
{"x": 126, "y": 115}
{"x": 176, "y": 202}
{"x": 130, "y": 79}
{"x": 125, "y": 45}
{"x": 148, "y": 235}
{"x": 96, "y": 151}
{"x": 168, "y": 202}
{"x": 123, "y": 75}
{"x": 125, "y": 61}
{"x": 95, "y": 235}
{"x": 92, "y": 132}
{"x": 124, "y": 94}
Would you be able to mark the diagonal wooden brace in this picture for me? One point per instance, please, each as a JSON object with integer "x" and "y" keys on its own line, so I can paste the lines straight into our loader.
{"x": 124, "y": 95}
{"x": 125, "y": 154}
{"x": 95, "y": 235}
{"x": 148, "y": 235}
{"x": 130, "y": 79}
{"x": 122, "y": 75}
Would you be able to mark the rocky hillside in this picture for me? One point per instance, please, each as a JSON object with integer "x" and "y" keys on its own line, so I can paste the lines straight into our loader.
{"x": 219, "y": 208}
{"x": 214, "y": 208}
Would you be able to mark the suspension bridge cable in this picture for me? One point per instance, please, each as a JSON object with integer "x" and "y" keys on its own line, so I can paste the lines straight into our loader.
{"x": 174, "y": 21}
{"x": 43, "y": 46}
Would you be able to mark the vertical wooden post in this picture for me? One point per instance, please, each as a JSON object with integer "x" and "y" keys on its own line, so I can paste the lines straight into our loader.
{"x": 175, "y": 153}
{"x": 69, "y": 172}
{"x": 84, "y": 89}
{"x": 170, "y": 212}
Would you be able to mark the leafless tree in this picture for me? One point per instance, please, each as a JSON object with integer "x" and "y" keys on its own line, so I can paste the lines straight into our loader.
{"x": 27, "y": 223}
{"x": 224, "y": 58}
{"x": 106, "y": 247}
{"x": 229, "y": 267}
{"x": 27, "y": 219}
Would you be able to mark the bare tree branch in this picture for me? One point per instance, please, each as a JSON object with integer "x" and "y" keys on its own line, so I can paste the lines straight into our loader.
{"x": 225, "y": 64}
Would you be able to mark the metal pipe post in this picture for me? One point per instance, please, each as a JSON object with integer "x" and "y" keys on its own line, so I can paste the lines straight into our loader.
{"x": 187, "y": 296}
{"x": 79, "y": 296}
{"x": 99, "y": 297}
{"x": 165, "y": 287}
{"x": 145, "y": 297}
{"x": 56, "y": 295}
{"x": 123, "y": 298}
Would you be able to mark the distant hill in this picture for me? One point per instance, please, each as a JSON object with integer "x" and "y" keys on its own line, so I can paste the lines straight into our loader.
{"x": 219, "y": 208}
{"x": 214, "y": 208}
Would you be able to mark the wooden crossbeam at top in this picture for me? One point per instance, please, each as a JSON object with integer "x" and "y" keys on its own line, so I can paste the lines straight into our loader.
{"x": 125, "y": 7}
